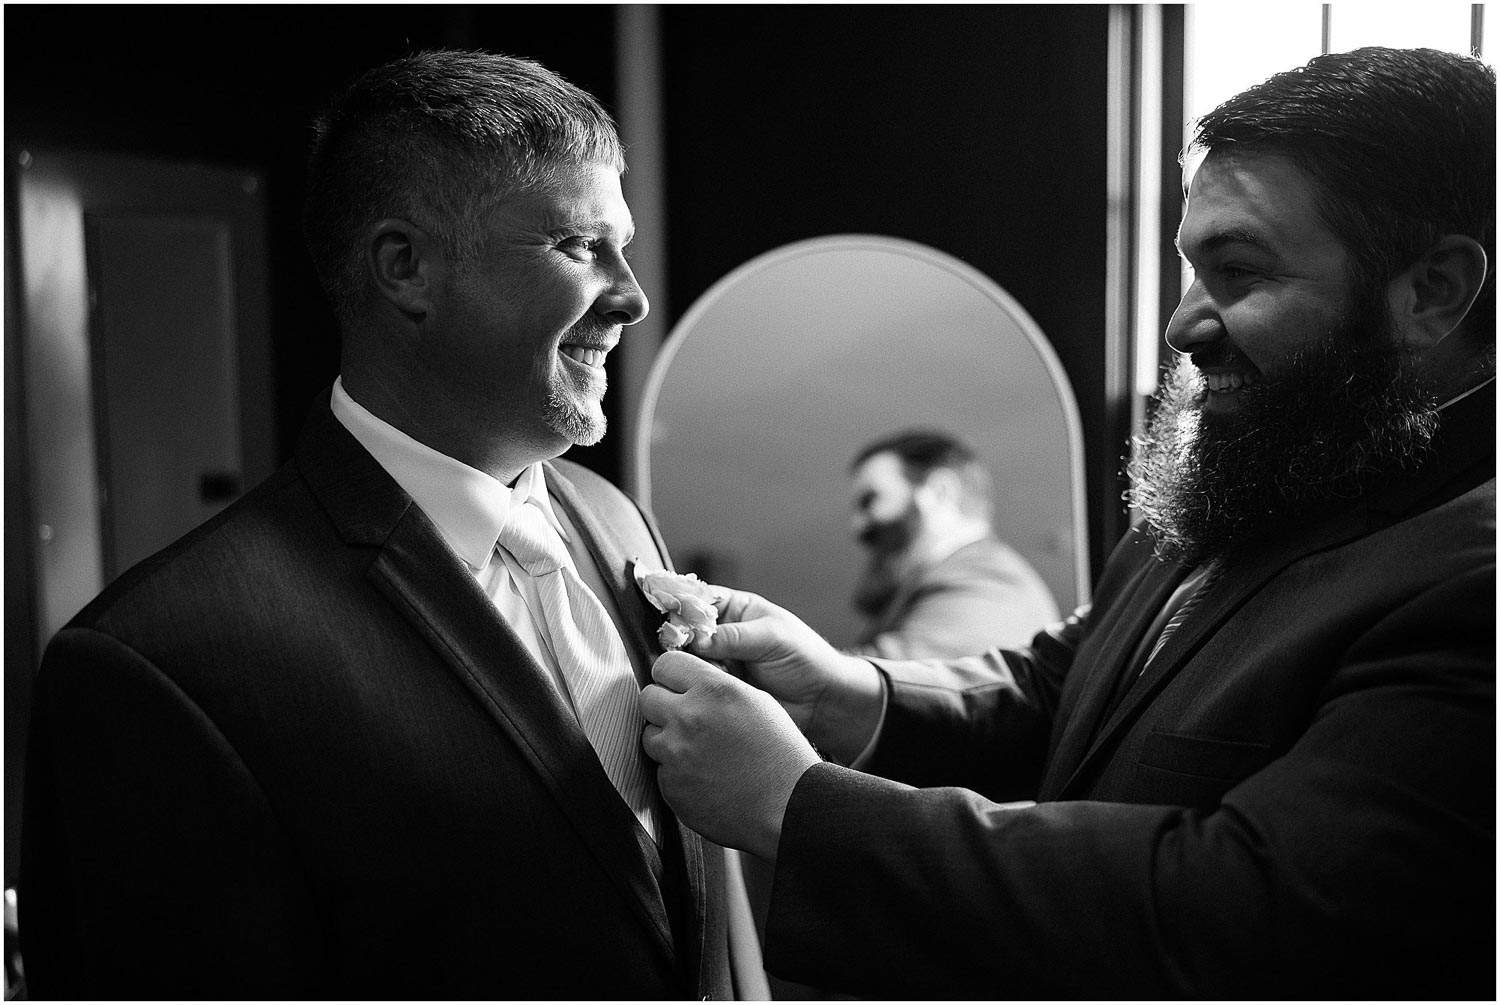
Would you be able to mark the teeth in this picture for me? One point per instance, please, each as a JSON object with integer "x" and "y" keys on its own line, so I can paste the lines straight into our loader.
{"x": 589, "y": 357}
{"x": 1225, "y": 381}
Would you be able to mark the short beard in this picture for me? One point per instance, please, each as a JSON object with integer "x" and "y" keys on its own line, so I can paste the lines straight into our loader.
{"x": 582, "y": 425}
{"x": 1346, "y": 415}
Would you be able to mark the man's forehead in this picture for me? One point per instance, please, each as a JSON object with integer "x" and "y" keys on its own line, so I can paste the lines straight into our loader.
{"x": 1262, "y": 200}
{"x": 581, "y": 196}
{"x": 880, "y": 466}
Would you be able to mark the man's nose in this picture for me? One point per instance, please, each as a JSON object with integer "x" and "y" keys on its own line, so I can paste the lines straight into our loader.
{"x": 1195, "y": 323}
{"x": 624, "y": 302}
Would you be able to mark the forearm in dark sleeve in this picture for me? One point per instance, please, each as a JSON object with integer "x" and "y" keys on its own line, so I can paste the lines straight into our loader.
{"x": 1359, "y": 864}
{"x": 981, "y": 722}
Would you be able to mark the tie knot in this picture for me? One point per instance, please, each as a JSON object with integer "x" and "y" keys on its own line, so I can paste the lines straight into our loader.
{"x": 531, "y": 541}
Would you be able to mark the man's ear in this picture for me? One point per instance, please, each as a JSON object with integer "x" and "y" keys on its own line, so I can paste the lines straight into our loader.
{"x": 942, "y": 487}
{"x": 1429, "y": 300}
{"x": 404, "y": 262}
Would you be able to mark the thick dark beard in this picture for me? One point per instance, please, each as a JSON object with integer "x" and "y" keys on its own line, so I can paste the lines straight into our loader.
{"x": 1346, "y": 415}
{"x": 887, "y": 541}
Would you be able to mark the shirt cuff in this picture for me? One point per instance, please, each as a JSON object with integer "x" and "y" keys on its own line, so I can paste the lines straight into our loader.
{"x": 864, "y": 755}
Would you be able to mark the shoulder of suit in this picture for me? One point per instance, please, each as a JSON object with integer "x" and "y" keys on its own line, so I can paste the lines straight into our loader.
{"x": 987, "y": 558}
{"x": 598, "y": 490}
{"x": 1461, "y": 529}
{"x": 261, "y": 531}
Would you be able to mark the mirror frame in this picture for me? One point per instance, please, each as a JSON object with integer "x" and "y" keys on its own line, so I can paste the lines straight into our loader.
{"x": 645, "y": 417}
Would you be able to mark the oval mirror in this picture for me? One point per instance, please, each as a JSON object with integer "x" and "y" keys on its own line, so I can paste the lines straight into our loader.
{"x": 780, "y": 373}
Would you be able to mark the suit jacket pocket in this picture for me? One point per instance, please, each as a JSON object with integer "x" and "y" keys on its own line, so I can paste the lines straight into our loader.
{"x": 1184, "y": 770}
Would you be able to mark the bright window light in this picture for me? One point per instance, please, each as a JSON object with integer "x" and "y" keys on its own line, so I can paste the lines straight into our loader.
{"x": 1233, "y": 46}
{"x": 1426, "y": 25}
{"x": 1230, "y": 47}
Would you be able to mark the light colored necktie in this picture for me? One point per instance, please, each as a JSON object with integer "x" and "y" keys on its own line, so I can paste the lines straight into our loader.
{"x": 591, "y": 657}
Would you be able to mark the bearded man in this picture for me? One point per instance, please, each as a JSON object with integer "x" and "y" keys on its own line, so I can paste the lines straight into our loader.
{"x": 939, "y": 581}
{"x": 1263, "y": 760}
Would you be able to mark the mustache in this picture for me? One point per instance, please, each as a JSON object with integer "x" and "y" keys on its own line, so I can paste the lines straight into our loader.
{"x": 1220, "y": 354}
{"x": 1342, "y": 415}
{"x": 593, "y": 332}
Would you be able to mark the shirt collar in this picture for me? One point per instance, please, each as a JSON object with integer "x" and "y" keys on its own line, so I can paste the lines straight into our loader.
{"x": 468, "y": 506}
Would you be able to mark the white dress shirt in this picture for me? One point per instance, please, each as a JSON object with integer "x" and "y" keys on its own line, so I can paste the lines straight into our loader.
{"x": 469, "y": 509}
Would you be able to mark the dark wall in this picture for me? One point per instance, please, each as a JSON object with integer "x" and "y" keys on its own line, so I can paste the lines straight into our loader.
{"x": 979, "y": 131}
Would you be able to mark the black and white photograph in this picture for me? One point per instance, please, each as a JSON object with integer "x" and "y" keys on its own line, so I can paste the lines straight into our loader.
{"x": 750, "y": 502}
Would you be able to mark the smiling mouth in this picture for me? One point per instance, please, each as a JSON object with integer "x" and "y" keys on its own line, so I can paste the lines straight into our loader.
{"x": 584, "y": 354}
{"x": 1227, "y": 382}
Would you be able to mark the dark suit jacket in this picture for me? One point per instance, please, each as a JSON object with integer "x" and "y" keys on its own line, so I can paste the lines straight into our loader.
{"x": 299, "y": 754}
{"x": 984, "y": 595}
{"x": 1296, "y": 800}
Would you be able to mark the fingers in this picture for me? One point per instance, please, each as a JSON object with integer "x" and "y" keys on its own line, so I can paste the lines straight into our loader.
{"x": 743, "y": 640}
{"x": 666, "y": 705}
{"x": 656, "y": 704}
{"x": 741, "y": 605}
{"x": 679, "y": 671}
{"x": 652, "y": 742}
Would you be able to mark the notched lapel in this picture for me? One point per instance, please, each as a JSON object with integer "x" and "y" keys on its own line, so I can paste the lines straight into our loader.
{"x": 1242, "y": 577}
{"x": 1152, "y": 583}
{"x": 432, "y": 589}
{"x": 616, "y": 560}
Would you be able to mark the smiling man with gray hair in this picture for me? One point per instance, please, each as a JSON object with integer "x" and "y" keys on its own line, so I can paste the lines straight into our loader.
{"x": 374, "y": 731}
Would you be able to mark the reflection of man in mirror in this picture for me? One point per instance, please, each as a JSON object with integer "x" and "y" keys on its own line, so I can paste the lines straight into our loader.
{"x": 939, "y": 583}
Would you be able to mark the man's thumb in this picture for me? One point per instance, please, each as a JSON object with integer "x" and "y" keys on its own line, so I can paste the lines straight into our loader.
{"x": 738, "y": 640}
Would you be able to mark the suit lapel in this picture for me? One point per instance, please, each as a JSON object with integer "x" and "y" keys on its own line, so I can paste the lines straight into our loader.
{"x": 1151, "y": 585}
{"x": 1243, "y": 575}
{"x": 433, "y": 591}
{"x": 638, "y": 621}
{"x": 634, "y": 615}
{"x": 1461, "y": 457}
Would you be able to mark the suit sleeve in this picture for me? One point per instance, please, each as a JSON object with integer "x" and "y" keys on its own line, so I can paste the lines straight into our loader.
{"x": 982, "y": 722}
{"x": 960, "y": 617}
{"x": 153, "y": 866}
{"x": 1358, "y": 864}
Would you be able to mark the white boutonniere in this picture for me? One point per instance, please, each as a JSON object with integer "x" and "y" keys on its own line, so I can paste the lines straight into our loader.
{"x": 687, "y": 601}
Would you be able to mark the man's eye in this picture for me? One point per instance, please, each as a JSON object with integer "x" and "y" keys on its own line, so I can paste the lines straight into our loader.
{"x": 579, "y": 245}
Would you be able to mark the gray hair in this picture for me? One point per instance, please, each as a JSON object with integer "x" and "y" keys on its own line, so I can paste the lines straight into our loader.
{"x": 438, "y": 138}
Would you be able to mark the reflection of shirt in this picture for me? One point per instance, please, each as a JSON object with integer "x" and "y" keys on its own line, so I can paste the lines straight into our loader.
{"x": 469, "y": 508}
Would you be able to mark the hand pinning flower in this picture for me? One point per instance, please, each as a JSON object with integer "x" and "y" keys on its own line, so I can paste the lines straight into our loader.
{"x": 688, "y": 603}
